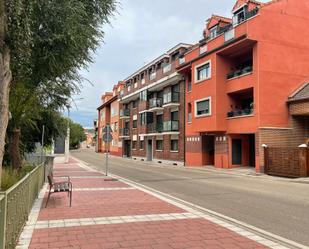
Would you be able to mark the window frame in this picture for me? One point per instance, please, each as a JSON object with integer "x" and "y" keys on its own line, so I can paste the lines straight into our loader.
{"x": 195, "y": 107}
{"x": 161, "y": 141}
{"x": 196, "y": 80}
{"x": 171, "y": 149}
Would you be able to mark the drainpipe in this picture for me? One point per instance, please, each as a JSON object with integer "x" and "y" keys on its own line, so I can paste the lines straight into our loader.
{"x": 184, "y": 120}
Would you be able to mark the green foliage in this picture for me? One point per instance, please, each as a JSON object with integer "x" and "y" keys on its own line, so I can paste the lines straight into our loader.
{"x": 50, "y": 41}
{"x": 77, "y": 135}
{"x": 9, "y": 177}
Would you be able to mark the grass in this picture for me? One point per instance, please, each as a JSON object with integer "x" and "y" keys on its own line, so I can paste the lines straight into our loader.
{"x": 10, "y": 176}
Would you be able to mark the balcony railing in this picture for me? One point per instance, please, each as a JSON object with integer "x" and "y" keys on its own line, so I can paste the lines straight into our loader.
{"x": 152, "y": 76}
{"x": 155, "y": 102}
{"x": 182, "y": 60}
{"x": 238, "y": 113}
{"x": 167, "y": 68}
{"x": 171, "y": 97}
{"x": 170, "y": 126}
{"x": 155, "y": 128}
{"x": 124, "y": 132}
{"x": 124, "y": 112}
{"x": 242, "y": 71}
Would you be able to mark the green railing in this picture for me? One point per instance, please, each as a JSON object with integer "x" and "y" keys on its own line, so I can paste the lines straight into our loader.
{"x": 15, "y": 206}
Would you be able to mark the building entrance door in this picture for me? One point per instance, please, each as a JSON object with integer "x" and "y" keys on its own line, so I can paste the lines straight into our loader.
{"x": 252, "y": 150}
{"x": 127, "y": 148}
{"x": 236, "y": 152}
{"x": 149, "y": 150}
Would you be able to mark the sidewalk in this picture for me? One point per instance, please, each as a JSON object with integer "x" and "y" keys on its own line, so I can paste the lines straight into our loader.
{"x": 110, "y": 213}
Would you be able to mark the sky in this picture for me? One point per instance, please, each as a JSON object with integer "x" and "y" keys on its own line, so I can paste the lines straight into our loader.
{"x": 140, "y": 31}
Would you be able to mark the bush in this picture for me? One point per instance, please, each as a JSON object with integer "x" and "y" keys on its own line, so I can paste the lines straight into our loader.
{"x": 9, "y": 176}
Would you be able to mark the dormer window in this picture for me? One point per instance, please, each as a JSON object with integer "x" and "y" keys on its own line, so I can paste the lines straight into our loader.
{"x": 213, "y": 32}
{"x": 239, "y": 16}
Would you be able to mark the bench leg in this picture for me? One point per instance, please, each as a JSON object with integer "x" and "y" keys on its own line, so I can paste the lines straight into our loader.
{"x": 70, "y": 198}
{"x": 47, "y": 199}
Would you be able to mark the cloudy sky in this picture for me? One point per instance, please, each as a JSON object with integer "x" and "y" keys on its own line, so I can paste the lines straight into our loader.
{"x": 139, "y": 32}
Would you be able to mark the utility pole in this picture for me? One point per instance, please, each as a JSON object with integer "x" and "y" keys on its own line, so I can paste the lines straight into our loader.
{"x": 67, "y": 140}
{"x": 42, "y": 143}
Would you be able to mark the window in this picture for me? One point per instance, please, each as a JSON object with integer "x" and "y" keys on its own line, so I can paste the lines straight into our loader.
{"x": 189, "y": 86}
{"x": 159, "y": 144}
{"x": 134, "y": 123}
{"x": 134, "y": 104}
{"x": 143, "y": 95}
{"x": 203, "y": 72}
{"x": 213, "y": 32}
{"x": 174, "y": 145}
{"x": 175, "y": 116}
{"x": 239, "y": 16}
{"x": 141, "y": 144}
{"x": 202, "y": 107}
{"x": 134, "y": 145}
{"x": 146, "y": 118}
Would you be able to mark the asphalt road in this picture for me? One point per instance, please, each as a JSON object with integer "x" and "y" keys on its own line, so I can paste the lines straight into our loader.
{"x": 279, "y": 207}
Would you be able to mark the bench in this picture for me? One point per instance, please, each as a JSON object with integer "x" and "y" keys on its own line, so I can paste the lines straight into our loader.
{"x": 58, "y": 187}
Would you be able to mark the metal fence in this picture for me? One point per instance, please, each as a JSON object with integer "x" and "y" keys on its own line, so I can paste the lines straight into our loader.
{"x": 15, "y": 206}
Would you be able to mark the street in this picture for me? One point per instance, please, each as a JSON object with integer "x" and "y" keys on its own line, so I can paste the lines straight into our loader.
{"x": 279, "y": 207}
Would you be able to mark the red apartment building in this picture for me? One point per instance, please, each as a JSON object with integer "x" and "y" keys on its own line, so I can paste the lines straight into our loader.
{"x": 238, "y": 82}
{"x": 108, "y": 114}
{"x": 153, "y": 106}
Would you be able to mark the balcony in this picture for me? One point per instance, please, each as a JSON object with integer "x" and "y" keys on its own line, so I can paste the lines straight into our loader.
{"x": 240, "y": 72}
{"x": 171, "y": 99}
{"x": 152, "y": 76}
{"x": 167, "y": 68}
{"x": 171, "y": 126}
{"x": 240, "y": 113}
{"x": 124, "y": 133}
{"x": 182, "y": 60}
{"x": 124, "y": 113}
{"x": 155, "y": 104}
{"x": 155, "y": 128}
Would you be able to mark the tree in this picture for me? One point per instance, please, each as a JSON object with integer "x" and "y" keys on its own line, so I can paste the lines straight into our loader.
{"x": 46, "y": 42}
{"x": 77, "y": 135}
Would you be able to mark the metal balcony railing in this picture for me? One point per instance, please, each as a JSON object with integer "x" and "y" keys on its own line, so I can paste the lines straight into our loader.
{"x": 171, "y": 126}
{"x": 171, "y": 97}
{"x": 242, "y": 71}
{"x": 155, "y": 128}
{"x": 238, "y": 113}
{"x": 124, "y": 112}
{"x": 155, "y": 102}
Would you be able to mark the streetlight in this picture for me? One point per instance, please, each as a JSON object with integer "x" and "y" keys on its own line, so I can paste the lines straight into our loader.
{"x": 67, "y": 139}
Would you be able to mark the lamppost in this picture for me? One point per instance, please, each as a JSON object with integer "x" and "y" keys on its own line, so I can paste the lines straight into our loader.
{"x": 67, "y": 139}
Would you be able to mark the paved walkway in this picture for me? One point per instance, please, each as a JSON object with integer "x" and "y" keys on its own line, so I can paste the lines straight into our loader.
{"x": 110, "y": 213}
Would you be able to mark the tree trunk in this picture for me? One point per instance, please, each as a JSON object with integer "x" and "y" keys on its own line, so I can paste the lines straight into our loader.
{"x": 5, "y": 80}
{"x": 14, "y": 149}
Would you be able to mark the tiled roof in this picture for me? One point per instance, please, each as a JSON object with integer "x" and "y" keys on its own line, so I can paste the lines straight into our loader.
{"x": 300, "y": 93}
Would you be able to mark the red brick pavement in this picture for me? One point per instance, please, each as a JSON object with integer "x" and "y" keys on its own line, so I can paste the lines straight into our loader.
{"x": 191, "y": 233}
{"x": 90, "y": 204}
{"x": 176, "y": 234}
{"x": 97, "y": 183}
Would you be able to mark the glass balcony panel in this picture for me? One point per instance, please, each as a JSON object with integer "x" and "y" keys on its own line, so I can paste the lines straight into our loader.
{"x": 171, "y": 126}
{"x": 124, "y": 112}
{"x": 171, "y": 97}
{"x": 167, "y": 68}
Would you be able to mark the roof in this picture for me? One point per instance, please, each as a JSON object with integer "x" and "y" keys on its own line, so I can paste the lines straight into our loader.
{"x": 108, "y": 102}
{"x": 240, "y": 3}
{"x": 220, "y": 18}
{"x": 179, "y": 45}
{"x": 301, "y": 93}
